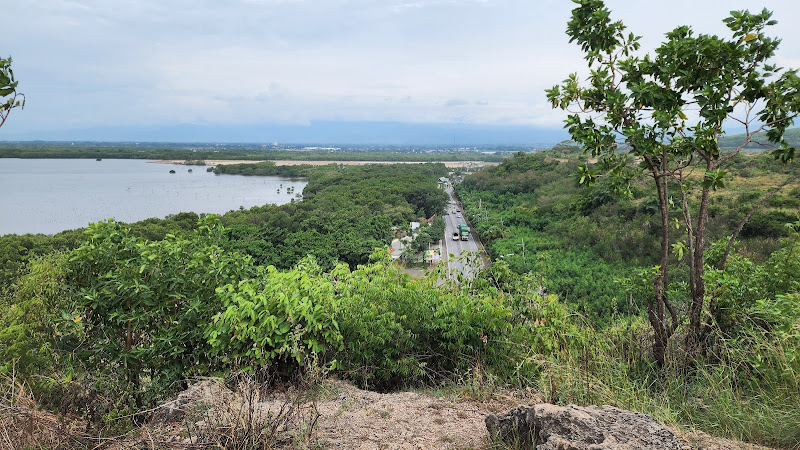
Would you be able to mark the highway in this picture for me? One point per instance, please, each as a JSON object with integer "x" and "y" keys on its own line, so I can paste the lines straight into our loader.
{"x": 466, "y": 254}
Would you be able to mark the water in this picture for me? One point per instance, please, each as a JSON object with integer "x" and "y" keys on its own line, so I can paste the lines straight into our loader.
{"x": 52, "y": 195}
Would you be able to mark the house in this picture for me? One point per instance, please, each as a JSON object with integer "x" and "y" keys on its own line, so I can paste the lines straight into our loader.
{"x": 398, "y": 246}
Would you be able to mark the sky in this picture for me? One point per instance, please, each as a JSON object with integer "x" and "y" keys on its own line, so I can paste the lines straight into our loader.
{"x": 136, "y": 66}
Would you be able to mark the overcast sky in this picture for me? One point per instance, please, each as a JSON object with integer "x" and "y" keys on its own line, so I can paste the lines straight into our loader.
{"x": 96, "y": 63}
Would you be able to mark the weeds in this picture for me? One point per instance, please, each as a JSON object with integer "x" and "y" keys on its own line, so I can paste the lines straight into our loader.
{"x": 254, "y": 413}
{"x": 23, "y": 425}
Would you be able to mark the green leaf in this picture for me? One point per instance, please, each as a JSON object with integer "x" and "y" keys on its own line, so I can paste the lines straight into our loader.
{"x": 679, "y": 249}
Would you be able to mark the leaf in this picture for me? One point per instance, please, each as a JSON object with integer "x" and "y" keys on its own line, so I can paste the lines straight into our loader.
{"x": 750, "y": 37}
{"x": 714, "y": 179}
{"x": 679, "y": 250}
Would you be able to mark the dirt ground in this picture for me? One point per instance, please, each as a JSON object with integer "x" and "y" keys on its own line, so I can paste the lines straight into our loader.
{"x": 340, "y": 416}
{"x": 346, "y": 417}
{"x": 333, "y": 415}
{"x": 357, "y": 419}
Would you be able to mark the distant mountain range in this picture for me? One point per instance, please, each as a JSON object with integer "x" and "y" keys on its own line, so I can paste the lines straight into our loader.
{"x": 355, "y": 133}
{"x": 338, "y": 133}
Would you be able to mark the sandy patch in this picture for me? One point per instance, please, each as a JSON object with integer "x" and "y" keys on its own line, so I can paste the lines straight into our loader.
{"x": 210, "y": 415}
{"x": 343, "y": 417}
{"x": 358, "y": 419}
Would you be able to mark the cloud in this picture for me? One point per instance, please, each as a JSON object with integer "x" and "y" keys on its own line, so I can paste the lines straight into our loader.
{"x": 456, "y": 102}
{"x": 92, "y": 63}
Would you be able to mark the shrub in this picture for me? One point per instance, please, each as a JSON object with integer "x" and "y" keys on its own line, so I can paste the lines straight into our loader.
{"x": 276, "y": 319}
{"x": 29, "y": 334}
{"x": 398, "y": 331}
{"x": 143, "y": 305}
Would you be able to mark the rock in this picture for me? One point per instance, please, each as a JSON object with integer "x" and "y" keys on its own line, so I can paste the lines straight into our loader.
{"x": 552, "y": 427}
{"x": 205, "y": 391}
{"x": 513, "y": 427}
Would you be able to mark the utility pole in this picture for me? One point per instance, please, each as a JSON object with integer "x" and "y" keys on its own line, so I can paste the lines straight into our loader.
{"x": 523, "y": 251}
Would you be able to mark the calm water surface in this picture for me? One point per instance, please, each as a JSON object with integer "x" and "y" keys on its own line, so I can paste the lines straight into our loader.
{"x": 52, "y": 195}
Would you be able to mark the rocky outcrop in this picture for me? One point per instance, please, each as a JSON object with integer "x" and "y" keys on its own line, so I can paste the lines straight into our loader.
{"x": 552, "y": 427}
{"x": 205, "y": 391}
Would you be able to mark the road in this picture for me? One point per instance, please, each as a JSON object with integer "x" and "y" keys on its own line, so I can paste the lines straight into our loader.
{"x": 466, "y": 254}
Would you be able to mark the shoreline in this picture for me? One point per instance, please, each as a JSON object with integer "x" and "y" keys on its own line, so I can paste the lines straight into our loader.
{"x": 287, "y": 162}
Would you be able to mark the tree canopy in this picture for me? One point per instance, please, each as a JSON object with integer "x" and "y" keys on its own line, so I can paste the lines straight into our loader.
{"x": 663, "y": 115}
{"x": 9, "y": 97}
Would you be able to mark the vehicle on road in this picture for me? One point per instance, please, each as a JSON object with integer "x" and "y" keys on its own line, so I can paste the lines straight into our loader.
{"x": 456, "y": 236}
{"x": 464, "y": 230}
{"x": 458, "y": 215}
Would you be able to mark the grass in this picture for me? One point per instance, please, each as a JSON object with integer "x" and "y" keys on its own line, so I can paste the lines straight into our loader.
{"x": 717, "y": 397}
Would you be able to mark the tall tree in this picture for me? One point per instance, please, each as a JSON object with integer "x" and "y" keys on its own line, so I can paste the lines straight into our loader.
{"x": 9, "y": 97}
{"x": 662, "y": 115}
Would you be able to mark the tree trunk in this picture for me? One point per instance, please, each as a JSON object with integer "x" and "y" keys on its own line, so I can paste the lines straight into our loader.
{"x": 656, "y": 308}
{"x": 687, "y": 218}
{"x": 694, "y": 337}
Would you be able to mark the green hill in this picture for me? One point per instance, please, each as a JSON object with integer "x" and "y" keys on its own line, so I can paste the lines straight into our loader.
{"x": 792, "y": 136}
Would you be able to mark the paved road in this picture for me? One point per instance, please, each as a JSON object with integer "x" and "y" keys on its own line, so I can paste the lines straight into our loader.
{"x": 466, "y": 254}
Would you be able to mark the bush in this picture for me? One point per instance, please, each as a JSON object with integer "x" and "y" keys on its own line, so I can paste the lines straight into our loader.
{"x": 400, "y": 332}
{"x": 29, "y": 331}
{"x": 143, "y": 305}
{"x": 277, "y": 319}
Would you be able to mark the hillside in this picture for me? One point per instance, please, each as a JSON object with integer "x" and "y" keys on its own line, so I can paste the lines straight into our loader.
{"x": 792, "y": 137}
{"x": 107, "y": 326}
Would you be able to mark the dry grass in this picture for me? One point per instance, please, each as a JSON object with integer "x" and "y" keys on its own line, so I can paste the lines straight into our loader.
{"x": 23, "y": 425}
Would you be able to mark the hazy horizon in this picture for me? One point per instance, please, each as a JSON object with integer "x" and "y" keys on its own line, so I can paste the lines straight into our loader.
{"x": 422, "y": 72}
{"x": 345, "y": 133}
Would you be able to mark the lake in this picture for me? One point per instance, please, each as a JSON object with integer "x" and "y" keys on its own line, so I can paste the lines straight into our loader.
{"x": 52, "y": 195}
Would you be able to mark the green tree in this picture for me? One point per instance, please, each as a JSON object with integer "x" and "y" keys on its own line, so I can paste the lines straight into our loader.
{"x": 144, "y": 305}
{"x": 9, "y": 97}
{"x": 29, "y": 331}
{"x": 664, "y": 114}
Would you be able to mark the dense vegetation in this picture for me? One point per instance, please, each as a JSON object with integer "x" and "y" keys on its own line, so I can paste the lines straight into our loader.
{"x": 660, "y": 116}
{"x": 132, "y": 312}
{"x": 346, "y": 213}
{"x": 583, "y": 240}
{"x": 106, "y": 321}
{"x": 599, "y": 252}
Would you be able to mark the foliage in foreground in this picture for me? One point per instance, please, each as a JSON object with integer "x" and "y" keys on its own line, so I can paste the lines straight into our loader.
{"x": 129, "y": 319}
{"x": 8, "y": 90}
{"x": 148, "y": 314}
{"x": 633, "y": 117}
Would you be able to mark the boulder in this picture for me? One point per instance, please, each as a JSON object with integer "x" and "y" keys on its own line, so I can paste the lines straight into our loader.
{"x": 551, "y": 427}
{"x": 203, "y": 392}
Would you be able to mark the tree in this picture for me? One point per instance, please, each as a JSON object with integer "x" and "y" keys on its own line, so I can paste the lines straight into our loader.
{"x": 8, "y": 88}
{"x": 662, "y": 115}
{"x": 144, "y": 305}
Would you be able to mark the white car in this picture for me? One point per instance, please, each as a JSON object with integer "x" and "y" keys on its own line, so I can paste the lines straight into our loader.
{"x": 458, "y": 215}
